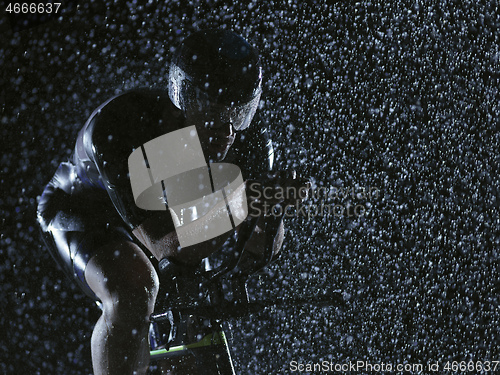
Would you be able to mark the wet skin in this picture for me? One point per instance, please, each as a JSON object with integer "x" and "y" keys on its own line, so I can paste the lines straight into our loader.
{"x": 215, "y": 131}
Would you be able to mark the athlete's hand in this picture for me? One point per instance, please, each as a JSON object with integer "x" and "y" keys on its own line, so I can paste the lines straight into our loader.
{"x": 282, "y": 187}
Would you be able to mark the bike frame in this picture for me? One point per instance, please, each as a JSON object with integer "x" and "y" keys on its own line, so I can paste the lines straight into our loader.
{"x": 211, "y": 347}
{"x": 171, "y": 327}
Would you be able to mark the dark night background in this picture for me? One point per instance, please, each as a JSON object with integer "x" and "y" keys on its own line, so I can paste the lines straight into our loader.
{"x": 400, "y": 96}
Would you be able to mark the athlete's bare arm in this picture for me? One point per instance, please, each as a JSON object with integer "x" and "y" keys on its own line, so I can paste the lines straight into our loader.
{"x": 163, "y": 242}
{"x": 158, "y": 235}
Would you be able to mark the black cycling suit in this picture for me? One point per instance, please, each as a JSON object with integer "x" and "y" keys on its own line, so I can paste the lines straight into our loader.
{"x": 89, "y": 201}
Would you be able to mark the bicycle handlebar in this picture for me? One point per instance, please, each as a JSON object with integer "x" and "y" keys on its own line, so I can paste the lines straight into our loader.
{"x": 240, "y": 309}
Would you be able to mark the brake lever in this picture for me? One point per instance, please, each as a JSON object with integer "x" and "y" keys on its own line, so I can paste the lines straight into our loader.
{"x": 245, "y": 233}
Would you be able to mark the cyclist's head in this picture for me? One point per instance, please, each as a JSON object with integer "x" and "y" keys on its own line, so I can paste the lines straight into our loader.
{"x": 216, "y": 74}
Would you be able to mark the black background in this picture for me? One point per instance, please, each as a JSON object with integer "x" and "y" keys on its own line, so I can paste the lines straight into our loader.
{"x": 400, "y": 96}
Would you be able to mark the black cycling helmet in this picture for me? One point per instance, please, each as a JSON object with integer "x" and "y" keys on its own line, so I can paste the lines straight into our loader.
{"x": 217, "y": 67}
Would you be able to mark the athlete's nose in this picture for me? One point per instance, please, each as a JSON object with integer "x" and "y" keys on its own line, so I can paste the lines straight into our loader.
{"x": 223, "y": 129}
{"x": 228, "y": 129}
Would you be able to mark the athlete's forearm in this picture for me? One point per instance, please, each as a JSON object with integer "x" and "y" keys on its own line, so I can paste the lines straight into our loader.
{"x": 166, "y": 241}
{"x": 256, "y": 244}
{"x": 195, "y": 253}
{"x": 167, "y": 245}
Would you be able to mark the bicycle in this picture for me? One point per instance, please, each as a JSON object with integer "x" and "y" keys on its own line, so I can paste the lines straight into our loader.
{"x": 190, "y": 321}
{"x": 196, "y": 304}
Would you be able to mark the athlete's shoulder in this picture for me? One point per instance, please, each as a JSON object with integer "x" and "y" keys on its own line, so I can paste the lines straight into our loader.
{"x": 142, "y": 106}
{"x": 125, "y": 122}
{"x": 133, "y": 118}
{"x": 136, "y": 99}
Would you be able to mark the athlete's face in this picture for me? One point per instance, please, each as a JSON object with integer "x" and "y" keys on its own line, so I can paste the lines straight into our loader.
{"x": 215, "y": 130}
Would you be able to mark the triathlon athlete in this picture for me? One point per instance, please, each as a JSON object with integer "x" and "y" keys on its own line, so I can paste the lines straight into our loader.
{"x": 88, "y": 213}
